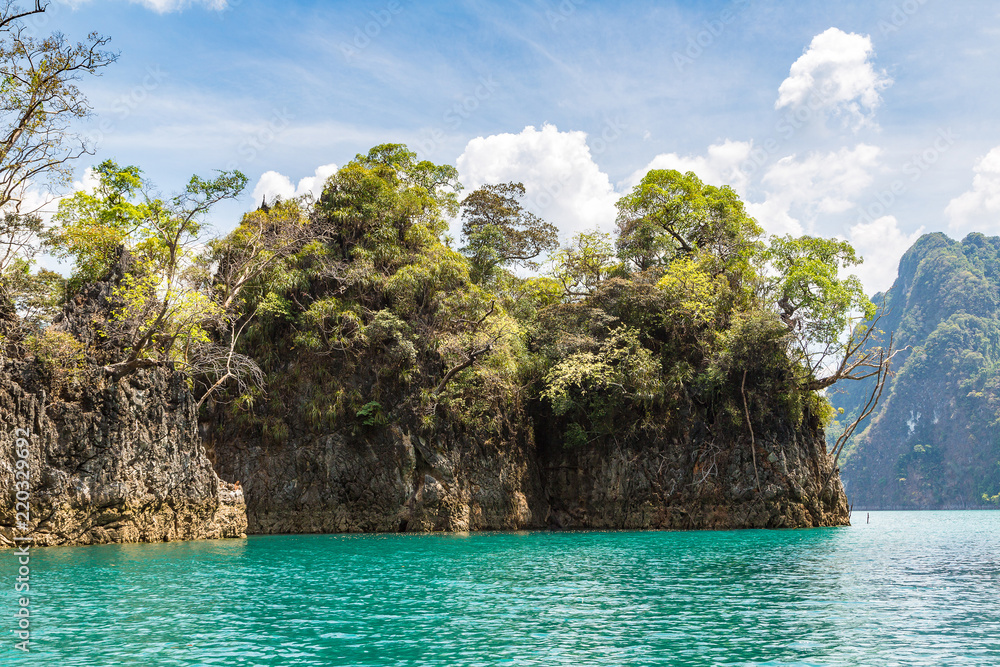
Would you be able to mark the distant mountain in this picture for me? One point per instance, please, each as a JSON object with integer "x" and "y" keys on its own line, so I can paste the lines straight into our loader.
{"x": 934, "y": 442}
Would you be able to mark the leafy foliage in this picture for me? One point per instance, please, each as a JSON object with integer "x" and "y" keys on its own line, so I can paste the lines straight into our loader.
{"x": 499, "y": 233}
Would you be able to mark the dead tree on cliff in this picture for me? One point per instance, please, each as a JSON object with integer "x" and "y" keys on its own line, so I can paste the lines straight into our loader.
{"x": 865, "y": 359}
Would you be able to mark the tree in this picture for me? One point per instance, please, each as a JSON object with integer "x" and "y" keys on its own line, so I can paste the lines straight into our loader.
{"x": 91, "y": 227}
{"x": 583, "y": 264}
{"x": 381, "y": 207}
{"x": 39, "y": 100}
{"x": 669, "y": 215}
{"x": 823, "y": 312}
{"x": 264, "y": 238}
{"x": 162, "y": 312}
{"x": 498, "y": 231}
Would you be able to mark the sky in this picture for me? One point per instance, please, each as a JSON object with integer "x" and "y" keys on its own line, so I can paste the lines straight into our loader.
{"x": 874, "y": 122}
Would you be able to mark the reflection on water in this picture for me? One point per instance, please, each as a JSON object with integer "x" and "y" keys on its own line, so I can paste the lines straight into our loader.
{"x": 910, "y": 588}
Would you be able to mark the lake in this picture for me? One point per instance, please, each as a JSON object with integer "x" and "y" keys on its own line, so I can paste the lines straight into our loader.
{"x": 908, "y": 588}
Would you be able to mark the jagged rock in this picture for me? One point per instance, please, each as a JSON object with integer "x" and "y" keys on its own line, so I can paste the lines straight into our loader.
{"x": 390, "y": 481}
{"x": 122, "y": 462}
{"x": 111, "y": 459}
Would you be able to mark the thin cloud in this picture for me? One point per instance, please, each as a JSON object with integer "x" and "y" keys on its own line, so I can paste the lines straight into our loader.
{"x": 165, "y": 6}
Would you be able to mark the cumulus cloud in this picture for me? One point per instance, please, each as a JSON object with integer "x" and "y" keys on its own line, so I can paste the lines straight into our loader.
{"x": 979, "y": 208}
{"x": 800, "y": 190}
{"x": 881, "y": 243}
{"x": 721, "y": 166}
{"x": 271, "y": 184}
{"x": 835, "y": 75}
{"x": 562, "y": 182}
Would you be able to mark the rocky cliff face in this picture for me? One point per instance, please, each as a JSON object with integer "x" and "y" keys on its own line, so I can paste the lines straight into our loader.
{"x": 111, "y": 461}
{"x": 122, "y": 460}
{"x": 695, "y": 482}
{"x": 396, "y": 480}
{"x": 392, "y": 480}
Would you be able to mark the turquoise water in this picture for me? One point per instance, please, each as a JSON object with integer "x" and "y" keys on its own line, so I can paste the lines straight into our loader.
{"x": 910, "y": 588}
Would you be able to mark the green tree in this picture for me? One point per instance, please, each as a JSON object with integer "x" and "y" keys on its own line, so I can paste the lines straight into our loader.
{"x": 498, "y": 232}
{"x": 90, "y": 227}
{"x": 669, "y": 215}
{"x": 581, "y": 266}
{"x": 162, "y": 311}
{"x": 824, "y": 312}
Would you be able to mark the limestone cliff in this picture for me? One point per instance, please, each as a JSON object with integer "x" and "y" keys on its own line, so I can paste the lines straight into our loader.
{"x": 109, "y": 459}
{"x": 399, "y": 478}
{"x": 932, "y": 443}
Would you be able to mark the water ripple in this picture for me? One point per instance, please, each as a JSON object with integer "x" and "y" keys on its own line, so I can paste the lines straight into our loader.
{"x": 907, "y": 589}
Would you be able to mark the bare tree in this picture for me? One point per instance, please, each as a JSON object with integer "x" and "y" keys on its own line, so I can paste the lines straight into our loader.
{"x": 878, "y": 362}
{"x": 859, "y": 358}
{"x": 226, "y": 365}
{"x": 40, "y": 101}
{"x": 475, "y": 341}
{"x": 264, "y": 238}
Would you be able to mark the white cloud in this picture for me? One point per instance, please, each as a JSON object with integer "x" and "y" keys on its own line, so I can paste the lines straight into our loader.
{"x": 271, "y": 184}
{"x": 881, "y": 243}
{"x": 562, "y": 182}
{"x": 801, "y": 190}
{"x": 774, "y": 216}
{"x": 836, "y": 75}
{"x": 979, "y": 208}
{"x": 720, "y": 167}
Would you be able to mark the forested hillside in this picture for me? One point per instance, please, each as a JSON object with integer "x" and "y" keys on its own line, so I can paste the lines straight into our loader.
{"x": 934, "y": 442}
{"x": 356, "y": 369}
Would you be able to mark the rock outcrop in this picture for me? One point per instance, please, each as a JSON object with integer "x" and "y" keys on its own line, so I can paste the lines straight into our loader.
{"x": 110, "y": 461}
{"x": 695, "y": 482}
{"x": 388, "y": 481}
{"x": 396, "y": 480}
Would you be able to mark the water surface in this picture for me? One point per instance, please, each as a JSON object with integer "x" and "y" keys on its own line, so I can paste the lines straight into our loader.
{"x": 909, "y": 588}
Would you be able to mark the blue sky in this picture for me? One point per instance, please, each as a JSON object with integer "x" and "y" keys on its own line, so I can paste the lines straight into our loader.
{"x": 873, "y": 121}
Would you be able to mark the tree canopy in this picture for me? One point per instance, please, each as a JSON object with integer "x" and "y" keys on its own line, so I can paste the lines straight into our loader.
{"x": 499, "y": 232}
